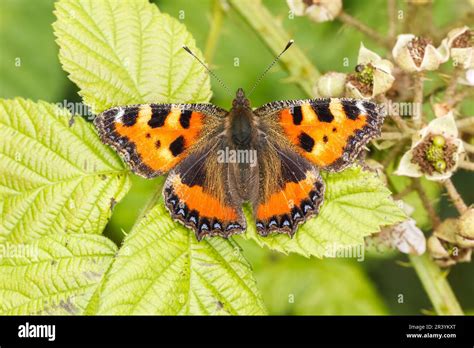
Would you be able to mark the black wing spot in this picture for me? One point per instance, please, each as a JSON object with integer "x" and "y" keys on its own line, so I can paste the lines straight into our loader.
{"x": 185, "y": 118}
{"x": 334, "y": 130}
{"x": 325, "y": 138}
{"x": 297, "y": 115}
{"x": 306, "y": 142}
{"x": 158, "y": 116}
{"x": 177, "y": 146}
{"x": 351, "y": 110}
{"x": 148, "y": 135}
{"x": 130, "y": 116}
{"x": 158, "y": 144}
{"x": 321, "y": 108}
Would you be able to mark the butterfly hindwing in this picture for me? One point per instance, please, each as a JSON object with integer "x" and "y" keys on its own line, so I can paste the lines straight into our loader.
{"x": 153, "y": 138}
{"x": 290, "y": 188}
{"x": 198, "y": 193}
{"x": 329, "y": 132}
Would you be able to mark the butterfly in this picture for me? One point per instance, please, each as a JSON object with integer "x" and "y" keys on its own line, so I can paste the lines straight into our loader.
{"x": 217, "y": 160}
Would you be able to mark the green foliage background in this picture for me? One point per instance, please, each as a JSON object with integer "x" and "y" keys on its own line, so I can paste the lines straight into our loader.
{"x": 288, "y": 284}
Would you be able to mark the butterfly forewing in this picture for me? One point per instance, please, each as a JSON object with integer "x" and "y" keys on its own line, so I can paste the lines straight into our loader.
{"x": 153, "y": 138}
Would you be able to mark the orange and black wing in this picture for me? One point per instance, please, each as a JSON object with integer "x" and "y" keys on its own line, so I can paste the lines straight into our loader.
{"x": 154, "y": 138}
{"x": 290, "y": 189}
{"x": 199, "y": 194}
{"x": 329, "y": 132}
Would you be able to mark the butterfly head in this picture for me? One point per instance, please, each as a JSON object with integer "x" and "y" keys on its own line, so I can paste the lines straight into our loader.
{"x": 240, "y": 100}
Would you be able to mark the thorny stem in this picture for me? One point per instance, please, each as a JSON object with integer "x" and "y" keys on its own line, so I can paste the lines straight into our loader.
{"x": 450, "y": 97}
{"x": 451, "y": 88}
{"x": 214, "y": 31}
{"x": 432, "y": 278}
{"x": 418, "y": 99}
{"x": 455, "y": 196}
{"x": 406, "y": 191}
{"x": 425, "y": 200}
{"x": 436, "y": 286}
{"x": 374, "y": 35}
{"x": 275, "y": 37}
{"x": 271, "y": 31}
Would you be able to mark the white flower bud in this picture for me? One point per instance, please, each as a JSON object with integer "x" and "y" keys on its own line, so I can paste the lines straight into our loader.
{"x": 458, "y": 43}
{"x": 331, "y": 84}
{"x": 316, "y": 10}
{"x": 414, "y": 54}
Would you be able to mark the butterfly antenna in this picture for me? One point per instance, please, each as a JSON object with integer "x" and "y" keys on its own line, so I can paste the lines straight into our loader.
{"x": 186, "y": 48}
{"x": 270, "y": 66}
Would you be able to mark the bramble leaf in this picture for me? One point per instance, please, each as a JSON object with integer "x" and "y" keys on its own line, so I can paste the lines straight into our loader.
{"x": 57, "y": 274}
{"x": 162, "y": 269}
{"x": 356, "y": 204}
{"x": 127, "y": 52}
{"x": 55, "y": 175}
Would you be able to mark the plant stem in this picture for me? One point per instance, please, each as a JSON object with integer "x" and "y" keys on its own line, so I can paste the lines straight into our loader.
{"x": 394, "y": 152}
{"x": 453, "y": 83}
{"x": 392, "y": 18}
{"x": 459, "y": 96}
{"x": 392, "y": 136}
{"x": 455, "y": 196}
{"x": 418, "y": 99}
{"x": 466, "y": 165}
{"x": 401, "y": 124}
{"x": 406, "y": 191}
{"x": 465, "y": 122}
{"x": 468, "y": 147}
{"x": 355, "y": 23}
{"x": 399, "y": 121}
{"x": 425, "y": 200}
{"x": 436, "y": 286}
{"x": 272, "y": 33}
{"x": 214, "y": 31}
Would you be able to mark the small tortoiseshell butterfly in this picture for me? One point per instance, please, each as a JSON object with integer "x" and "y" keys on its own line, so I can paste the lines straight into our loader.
{"x": 293, "y": 141}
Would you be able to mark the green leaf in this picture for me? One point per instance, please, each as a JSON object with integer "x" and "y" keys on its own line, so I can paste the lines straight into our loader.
{"x": 297, "y": 286}
{"x": 29, "y": 64}
{"x": 127, "y": 52}
{"x": 162, "y": 269}
{"x": 356, "y": 204}
{"x": 56, "y": 274}
{"x": 55, "y": 174}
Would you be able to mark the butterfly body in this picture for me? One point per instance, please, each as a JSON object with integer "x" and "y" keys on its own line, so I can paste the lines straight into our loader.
{"x": 217, "y": 161}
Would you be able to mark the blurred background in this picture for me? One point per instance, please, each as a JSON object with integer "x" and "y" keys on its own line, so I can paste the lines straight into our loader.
{"x": 381, "y": 284}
